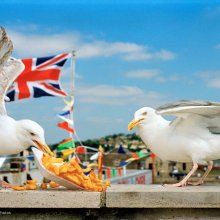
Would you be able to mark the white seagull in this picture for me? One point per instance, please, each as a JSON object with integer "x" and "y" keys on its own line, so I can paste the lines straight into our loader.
{"x": 193, "y": 136}
{"x": 15, "y": 136}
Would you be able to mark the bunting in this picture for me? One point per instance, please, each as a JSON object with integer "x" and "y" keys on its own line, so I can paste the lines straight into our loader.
{"x": 69, "y": 104}
{"x": 81, "y": 150}
{"x": 135, "y": 155}
{"x": 64, "y": 113}
{"x": 69, "y": 121}
{"x": 121, "y": 149}
{"x": 66, "y": 144}
{"x": 124, "y": 163}
{"x": 64, "y": 125}
{"x": 67, "y": 152}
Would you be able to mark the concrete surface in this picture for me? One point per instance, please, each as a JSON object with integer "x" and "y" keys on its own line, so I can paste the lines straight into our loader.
{"x": 117, "y": 196}
{"x": 157, "y": 196}
{"x": 120, "y": 202}
{"x": 50, "y": 198}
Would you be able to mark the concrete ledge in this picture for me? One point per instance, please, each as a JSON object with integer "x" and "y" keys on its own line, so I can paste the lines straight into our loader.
{"x": 51, "y": 198}
{"x": 157, "y": 196}
{"x": 118, "y": 196}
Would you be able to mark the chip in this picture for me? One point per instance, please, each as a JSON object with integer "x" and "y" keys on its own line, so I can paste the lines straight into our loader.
{"x": 43, "y": 185}
{"x": 53, "y": 184}
{"x": 31, "y": 186}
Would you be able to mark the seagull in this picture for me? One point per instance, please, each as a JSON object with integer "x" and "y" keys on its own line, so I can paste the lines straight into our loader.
{"x": 15, "y": 136}
{"x": 193, "y": 136}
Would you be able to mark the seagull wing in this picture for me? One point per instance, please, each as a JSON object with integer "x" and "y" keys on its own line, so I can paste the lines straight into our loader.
{"x": 6, "y": 46}
{"x": 204, "y": 112}
{"x": 9, "y": 69}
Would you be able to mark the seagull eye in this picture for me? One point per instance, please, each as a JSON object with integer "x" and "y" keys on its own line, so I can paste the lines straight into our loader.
{"x": 32, "y": 133}
{"x": 144, "y": 113}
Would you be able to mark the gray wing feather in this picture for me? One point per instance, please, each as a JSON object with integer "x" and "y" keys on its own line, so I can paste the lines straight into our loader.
{"x": 203, "y": 108}
{"x": 9, "y": 69}
{"x": 209, "y": 111}
{"x": 6, "y": 47}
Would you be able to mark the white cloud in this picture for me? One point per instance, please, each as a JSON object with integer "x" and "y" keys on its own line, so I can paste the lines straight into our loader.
{"x": 211, "y": 77}
{"x": 102, "y": 48}
{"x": 144, "y": 73}
{"x": 165, "y": 55}
{"x": 117, "y": 95}
{"x": 154, "y": 74}
{"x": 34, "y": 44}
{"x": 214, "y": 83}
{"x": 67, "y": 72}
{"x": 109, "y": 91}
{"x": 40, "y": 45}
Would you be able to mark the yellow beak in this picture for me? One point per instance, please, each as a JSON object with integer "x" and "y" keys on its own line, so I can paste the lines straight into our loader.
{"x": 43, "y": 147}
{"x": 134, "y": 123}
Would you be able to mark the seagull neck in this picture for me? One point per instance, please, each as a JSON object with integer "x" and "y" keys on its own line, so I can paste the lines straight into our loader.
{"x": 151, "y": 130}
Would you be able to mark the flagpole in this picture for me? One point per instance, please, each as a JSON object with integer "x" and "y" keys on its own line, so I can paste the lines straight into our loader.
{"x": 72, "y": 86}
{"x": 72, "y": 96}
{"x": 73, "y": 72}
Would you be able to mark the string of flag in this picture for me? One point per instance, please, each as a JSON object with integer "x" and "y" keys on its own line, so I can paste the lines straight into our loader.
{"x": 67, "y": 146}
{"x": 67, "y": 122}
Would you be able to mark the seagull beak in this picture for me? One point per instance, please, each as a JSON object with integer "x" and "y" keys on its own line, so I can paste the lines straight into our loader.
{"x": 43, "y": 147}
{"x": 134, "y": 123}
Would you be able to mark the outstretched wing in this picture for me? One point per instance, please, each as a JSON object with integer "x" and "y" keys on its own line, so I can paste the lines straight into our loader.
{"x": 6, "y": 47}
{"x": 209, "y": 112}
{"x": 9, "y": 69}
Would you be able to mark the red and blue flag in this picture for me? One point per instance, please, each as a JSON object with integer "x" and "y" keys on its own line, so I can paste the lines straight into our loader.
{"x": 41, "y": 77}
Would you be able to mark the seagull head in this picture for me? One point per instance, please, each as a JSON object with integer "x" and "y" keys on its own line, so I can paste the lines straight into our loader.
{"x": 31, "y": 133}
{"x": 142, "y": 116}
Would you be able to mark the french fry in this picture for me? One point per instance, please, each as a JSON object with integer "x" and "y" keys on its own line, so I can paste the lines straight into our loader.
{"x": 108, "y": 183}
{"x": 31, "y": 186}
{"x": 75, "y": 164}
{"x": 47, "y": 164}
{"x": 74, "y": 179}
{"x": 71, "y": 169}
{"x": 18, "y": 188}
{"x": 55, "y": 160}
{"x": 43, "y": 186}
{"x": 63, "y": 169}
{"x": 32, "y": 182}
{"x": 45, "y": 158}
{"x": 56, "y": 170}
{"x": 53, "y": 184}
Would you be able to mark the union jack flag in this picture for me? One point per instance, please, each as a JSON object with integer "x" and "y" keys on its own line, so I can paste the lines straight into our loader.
{"x": 39, "y": 78}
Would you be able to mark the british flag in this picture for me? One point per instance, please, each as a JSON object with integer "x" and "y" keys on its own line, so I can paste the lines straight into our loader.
{"x": 39, "y": 78}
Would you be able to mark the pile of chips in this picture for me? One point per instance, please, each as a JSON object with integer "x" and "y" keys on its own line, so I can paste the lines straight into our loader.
{"x": 30, "y": 185}
{"x": 72, "y": 171}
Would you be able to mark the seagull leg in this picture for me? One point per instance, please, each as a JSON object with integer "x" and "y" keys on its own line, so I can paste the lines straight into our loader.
{"x": 201, "y": 181}
{"x": 184, "y": 181}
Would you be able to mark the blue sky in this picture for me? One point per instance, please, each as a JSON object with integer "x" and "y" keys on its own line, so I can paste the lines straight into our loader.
{"x": 129, "y": 55}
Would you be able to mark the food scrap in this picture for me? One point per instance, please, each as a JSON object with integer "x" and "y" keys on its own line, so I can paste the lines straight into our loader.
{"x": 32, "y": 185}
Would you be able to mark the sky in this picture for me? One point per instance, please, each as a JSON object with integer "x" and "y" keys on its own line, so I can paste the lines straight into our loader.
{"x": 130, "y": 54}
